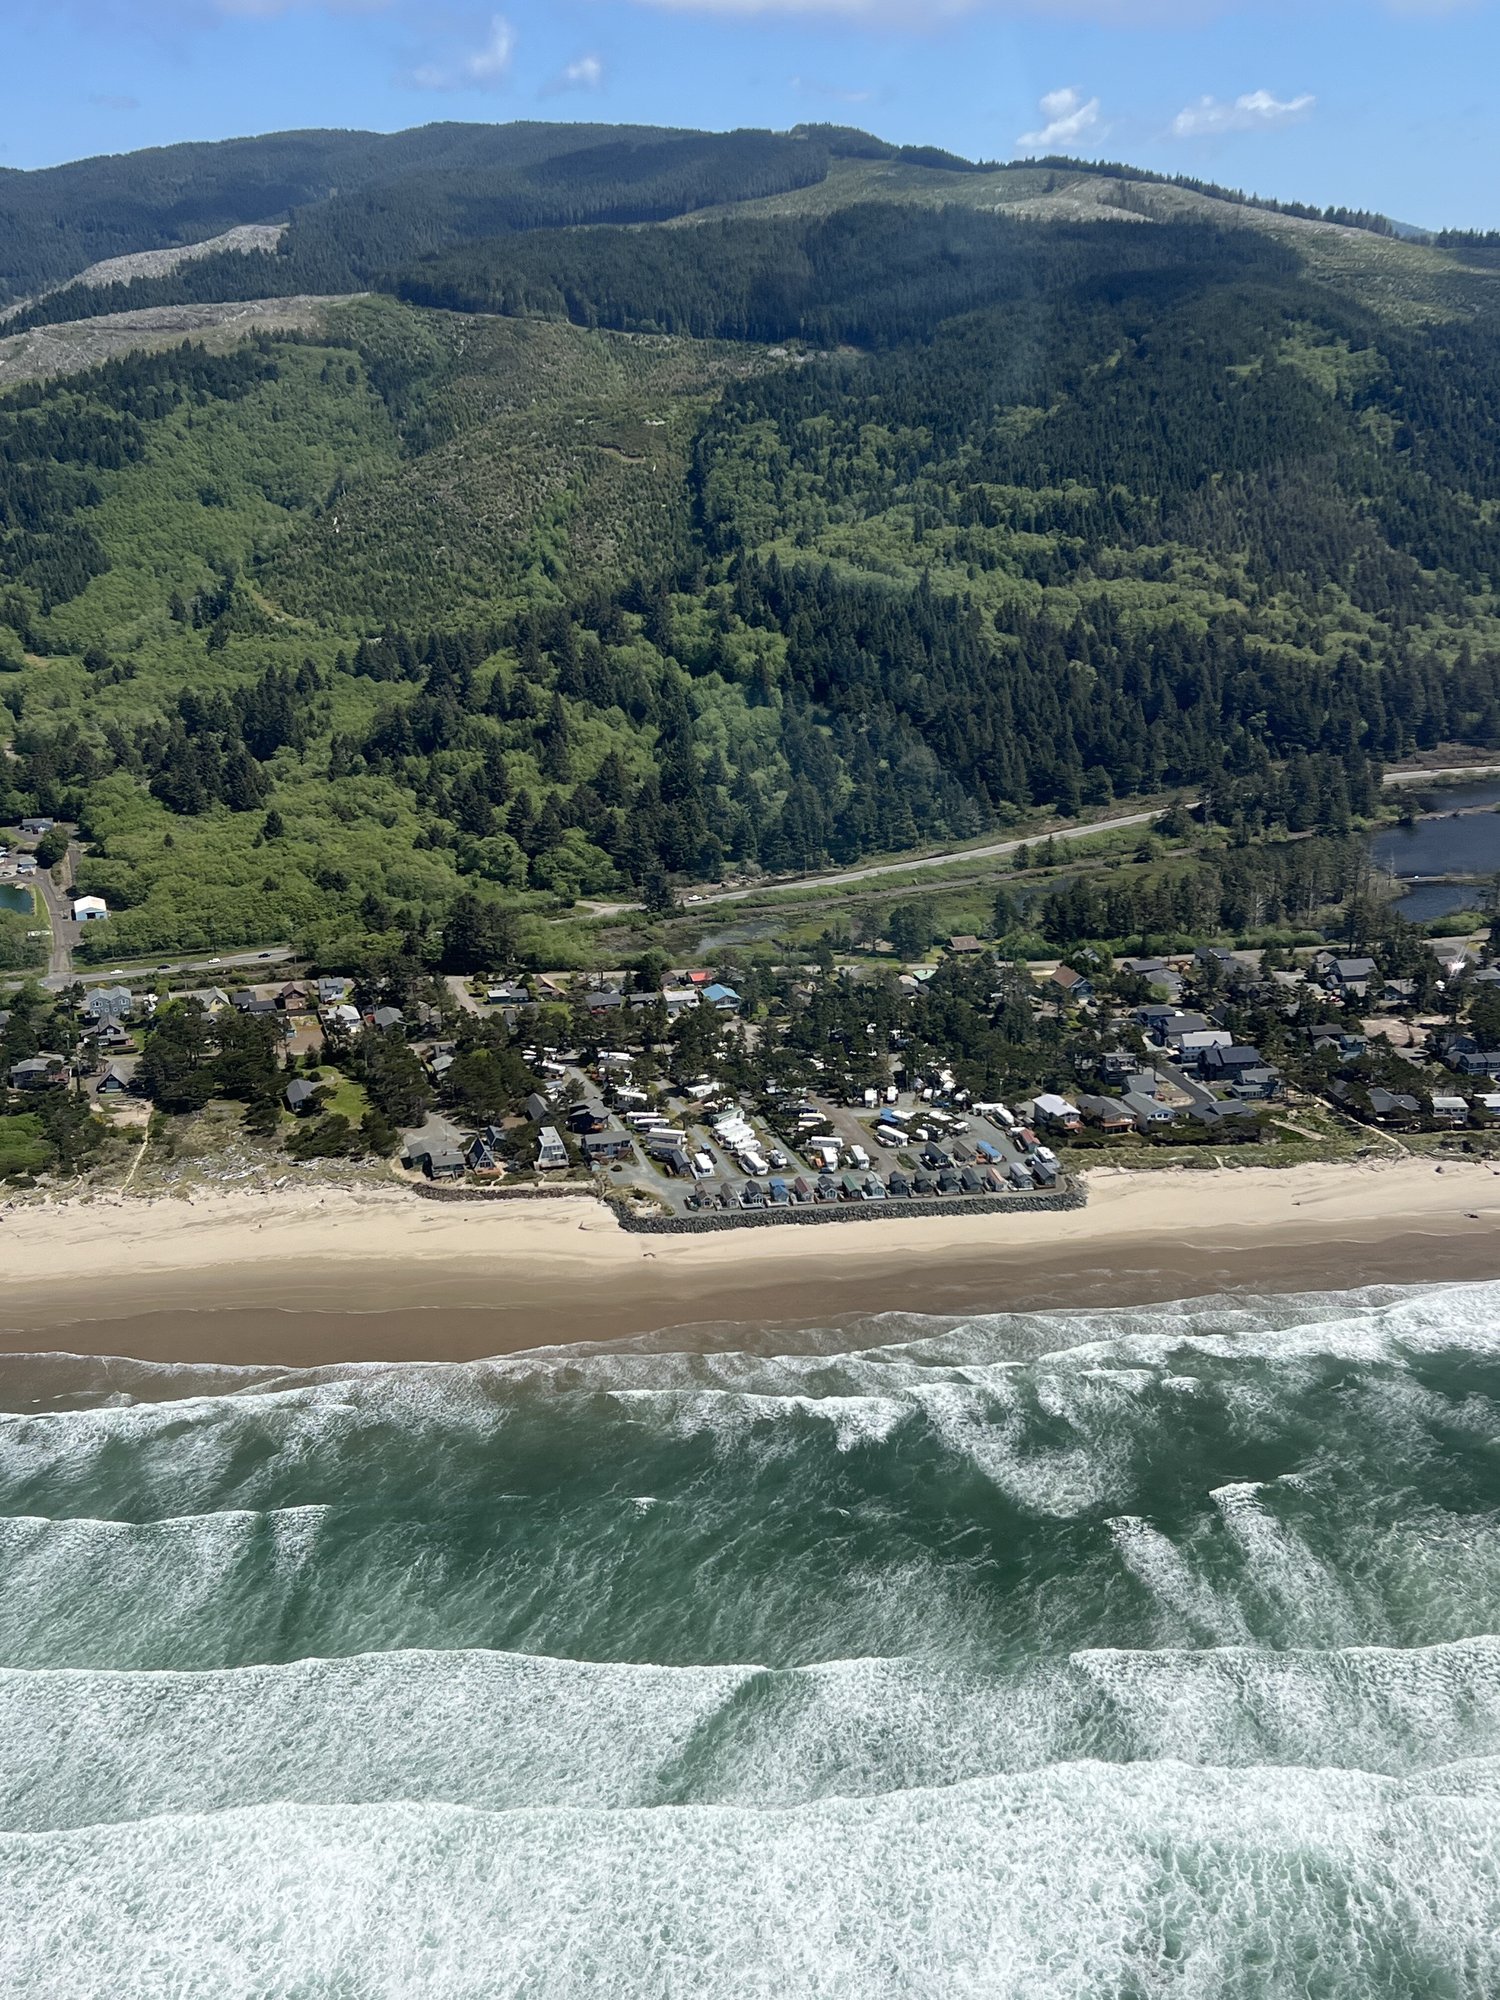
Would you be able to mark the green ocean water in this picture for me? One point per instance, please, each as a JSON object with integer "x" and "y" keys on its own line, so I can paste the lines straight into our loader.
{"x": 1114, "y": 1654}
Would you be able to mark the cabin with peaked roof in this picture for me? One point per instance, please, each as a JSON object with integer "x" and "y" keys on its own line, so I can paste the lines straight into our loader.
{"x": 1072, "y": 985}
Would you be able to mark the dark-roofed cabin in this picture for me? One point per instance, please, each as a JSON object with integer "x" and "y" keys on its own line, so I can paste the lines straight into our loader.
{"x": 482, "y": 1154}
{"x": 36, "y": 1073}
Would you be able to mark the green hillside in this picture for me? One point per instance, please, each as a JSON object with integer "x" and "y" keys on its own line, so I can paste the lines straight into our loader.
{"x": 797, "y": 500}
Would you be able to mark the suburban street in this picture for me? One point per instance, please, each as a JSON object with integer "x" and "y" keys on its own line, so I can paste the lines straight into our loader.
{"x": 103, "y": 976}
{"x": 64, "y": 930}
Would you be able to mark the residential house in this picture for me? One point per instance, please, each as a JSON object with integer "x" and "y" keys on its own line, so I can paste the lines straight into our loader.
{"x": 1228, "y": 1065}
{"x": 302, "y": 1095}
{"x": 484, "y": 1155}
{"x": 1115, "y": 1063}
{"x": 1256, "y": 1085}
{"x": 385, "y": 1019}
{"x": 1109, "y": 1114}
{"x": 1194, "y": 1051}
{"x": 1178, "y": 1024}
{"x": 1213, "y": 954}
{"x": 723, "y": 998}
{"x": 332, "y": 991}
{"x": 1231, "y": 1112}
{"x": 247, "y": 1001}
{"x": 1157, "y": 1016}
{"x": 587, "y": 1118}
{"x": 1448, "y": 1110}
{"x": 1338, "y": 1040}
{"x": 115, "y": 1080}
{"x": 1348, "y": 977}
{"x": 965, "y": 944}
{"x": 293, "y": 997}
{"x": 37, "y": 1073}
{"x": 436, "y": 1151}
{"x": 611, "y": 1142}
{"x": 606, "y": 1001}
{"x": 1156, "y": 972}
{"x": 1387, "y": 1107}
{"x": 1073, "y": 985}
{"x": 37, "y": 826}
{"x": 1056, "y": 1112}
{"x": 1463, "y": 1053}
{"x": 108, "y": 1003}
{"x": 550, "y": 1150}
{"x": 1144, "y": 1082}
{"x": 1149, "y": 1113}
{"x": 537, "y": 1108}
{"x": 507, "y": 994}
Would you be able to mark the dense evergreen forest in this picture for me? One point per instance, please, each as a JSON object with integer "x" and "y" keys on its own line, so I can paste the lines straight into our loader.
{"x": 395, "y": 210}
{"x": 609, "y": 549}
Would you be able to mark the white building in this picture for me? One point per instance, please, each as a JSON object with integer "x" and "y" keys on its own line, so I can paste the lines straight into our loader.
{"x": 89, "y": 909}
{"x": 550, "y": 1150}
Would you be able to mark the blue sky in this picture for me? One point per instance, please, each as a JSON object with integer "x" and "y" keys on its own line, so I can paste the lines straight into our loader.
{"x": 1378, "y": 103}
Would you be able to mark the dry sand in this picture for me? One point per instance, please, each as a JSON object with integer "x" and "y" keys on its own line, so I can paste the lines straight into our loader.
{"x": 308, "y": 1275}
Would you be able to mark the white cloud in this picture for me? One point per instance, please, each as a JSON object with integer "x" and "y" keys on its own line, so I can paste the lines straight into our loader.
{"x": 481, "y": 68}
{"x": 585, "y": 74}
{"x": 1256, "y": 111}
{"x": 1067, "y": 117}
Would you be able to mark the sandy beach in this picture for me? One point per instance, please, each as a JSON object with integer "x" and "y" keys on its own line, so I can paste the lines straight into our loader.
{"x": 310, "y": 1275}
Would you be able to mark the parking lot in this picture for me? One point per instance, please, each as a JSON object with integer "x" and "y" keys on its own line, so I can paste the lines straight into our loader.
{"x": 946, "y": 1156}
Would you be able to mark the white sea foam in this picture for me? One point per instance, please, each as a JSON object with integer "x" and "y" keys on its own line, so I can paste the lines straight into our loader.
{"x": 499, "y": 1731}
{"x": 1310, "y": 1602}
{"x": 732, "y": 1416}
{"x": 71, "y": 1587}
{"x": 1194, "y": 1608}
{"x": 1082, "y": 1879}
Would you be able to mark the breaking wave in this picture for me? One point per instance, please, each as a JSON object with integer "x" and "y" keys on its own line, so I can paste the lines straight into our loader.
{"x": 1035, "y": 1654}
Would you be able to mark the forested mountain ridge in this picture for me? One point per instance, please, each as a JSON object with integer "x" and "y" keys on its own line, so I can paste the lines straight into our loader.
{"x": 777, "y": 532}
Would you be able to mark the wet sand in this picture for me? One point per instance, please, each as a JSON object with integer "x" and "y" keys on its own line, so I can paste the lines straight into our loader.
{"x": 303, "y": 1277}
